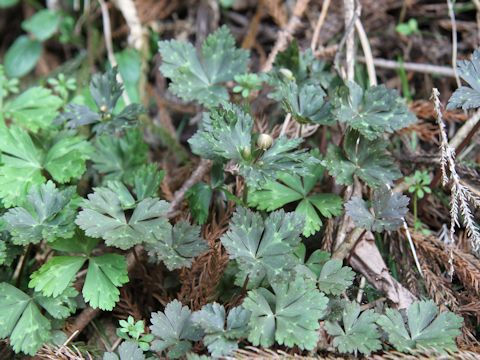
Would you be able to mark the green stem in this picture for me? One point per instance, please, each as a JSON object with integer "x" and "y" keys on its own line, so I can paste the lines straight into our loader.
{"x": 415, "y": 210}
{"x": 245, "y": 195}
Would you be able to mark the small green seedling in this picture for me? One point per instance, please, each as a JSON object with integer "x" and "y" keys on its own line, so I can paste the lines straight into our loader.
{"x": 419, "y": 185}
{"x": 132, "y": 330}
{"x": 247, "y": 83}
{"x": 409, "y": 28}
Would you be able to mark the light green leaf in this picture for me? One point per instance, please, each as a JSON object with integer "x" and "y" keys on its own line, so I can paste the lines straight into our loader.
{"x": 43, "y": 24}
{"x": 46, "y": 216}
{"x": 129, "y": 66}
{"x": 65, "y": 160}
{"x": 263, "y": 248}
{"x": 289, "y": 188}
{"x": 426, "y": 327}
{"x": 34, "y": 109}
{"x": 7, "y": 3}
{"x": 21, "y": 164}
{"x": 358, "y": 332}
{"x": 22, "y": 56}
{"x": 56, "y": 275}
{"x": 199, "y": 76}
{"x": 104, "y": 275}
{"x": 290, "y": 315}
{"x": 177, "y": 246}
{"x": 174, "y": 330}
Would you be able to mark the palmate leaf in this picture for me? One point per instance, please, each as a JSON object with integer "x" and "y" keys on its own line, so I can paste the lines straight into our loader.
{"x": 263, "y": 248}
{"x": 290, "y": 315}
{"x": 34, "y": 109}
{"x": 46, "y": 215}
{"x": 305, "y": 68}
{"x": 105, "y": 274}
{"x": 199, "y": 76}
{"x": 22, "y": 321}
{"x": 358, "y": 332}
{"x": 106, "y": 91}
{"x": 120, "y": 158}
{"x": 221, "y": 331}
{"x": 307, "y": 103}
{"x": 127, "y": 350}
{"x": 174, "y": 330}
{"x": 467, "y": 97}
{"x": 275, "y": 194}
{"x": 22, "y": 162}
{"x": 56, "y": 275}
{"x": 225, "y": 133}
{"x": 426, "y": 327}
{"x": 374, "y": 111}
{"x": 147, "y": 181}
{"x": 366, "y": 159}
{"x": 103, "y": 216}
{"x": 334, "y": 278}
{"x": 67, "y": 156}
{"x": 282, "y": 156}
{"x": 389, "y": 210}
{"x": 177, "y": 246}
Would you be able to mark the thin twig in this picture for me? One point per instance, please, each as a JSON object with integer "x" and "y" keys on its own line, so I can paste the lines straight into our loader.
{"x": 350, "y": 39}
{"x": 202, "y": 168}
{"x": 285, "y": 124}
{"x": 451, "y": 13}
{"x": 318, "y": 26}
{"x": 107, "y": 34}
{"x": 367, "y": 51}
{"x": 293, "y": 23}
{"x": 410, "y": 66}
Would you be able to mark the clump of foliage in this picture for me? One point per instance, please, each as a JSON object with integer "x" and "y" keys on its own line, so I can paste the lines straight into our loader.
{"x": 289, "y": 289}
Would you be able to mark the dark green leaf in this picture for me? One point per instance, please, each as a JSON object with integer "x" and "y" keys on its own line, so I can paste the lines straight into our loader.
{"x": 366, "y": 159}
{"x": 199, "y": 76}
{"x": 389, "y": 210}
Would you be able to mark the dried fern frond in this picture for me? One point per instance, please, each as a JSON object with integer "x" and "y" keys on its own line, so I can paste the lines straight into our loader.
{"x": 70, "y": 352}
{"x": 253, "y": 353}
{"x": 461, "y": 196}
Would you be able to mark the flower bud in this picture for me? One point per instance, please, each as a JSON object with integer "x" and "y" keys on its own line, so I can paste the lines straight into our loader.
{"x": 103, "y": 108}
{"x": 287, "y": 73}
{"x": 264, "y": 141}
{"x": 246, "y": 153}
